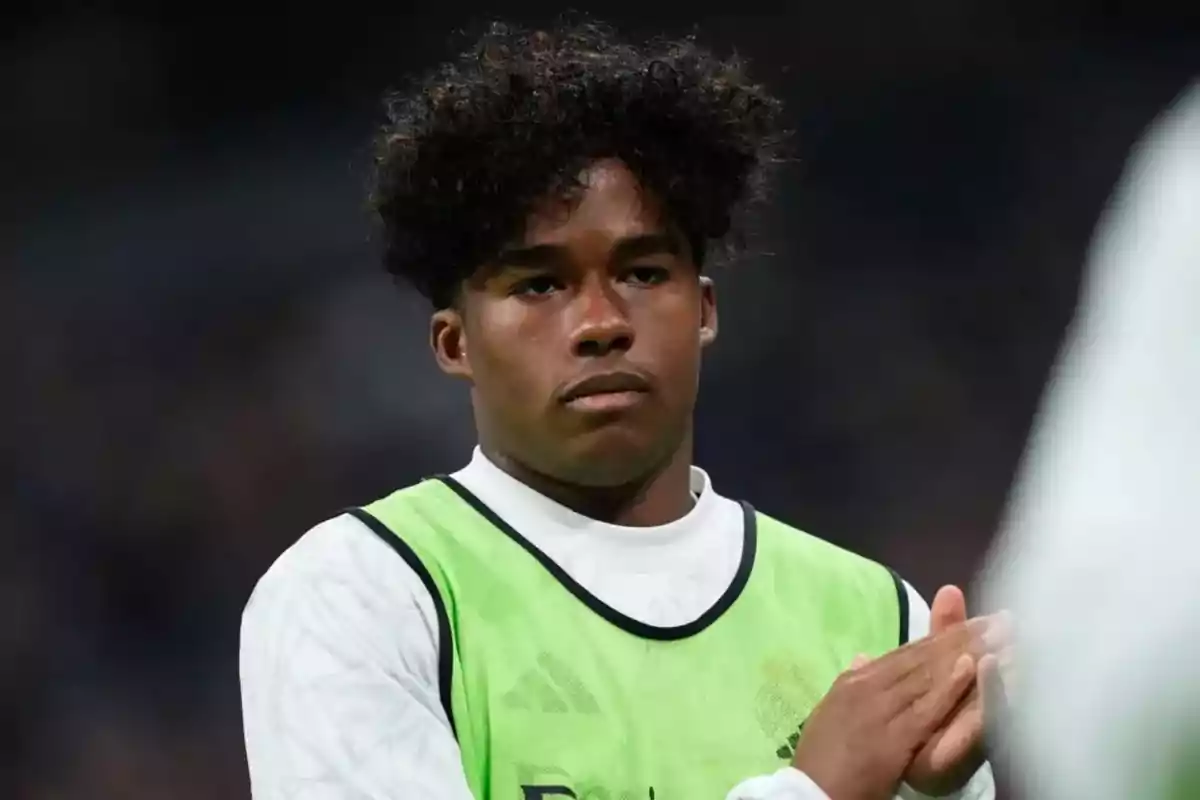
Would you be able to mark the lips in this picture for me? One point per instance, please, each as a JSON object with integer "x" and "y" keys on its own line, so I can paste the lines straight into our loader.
{"x": 606, "y": 383}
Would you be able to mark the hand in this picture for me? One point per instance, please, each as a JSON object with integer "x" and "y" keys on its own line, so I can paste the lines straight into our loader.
{"x": 955, "y": 752}
{"x": 862, "y": 736}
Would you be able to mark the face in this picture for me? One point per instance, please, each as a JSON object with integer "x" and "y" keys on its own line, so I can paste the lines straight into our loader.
{"x": 582, "y": 340}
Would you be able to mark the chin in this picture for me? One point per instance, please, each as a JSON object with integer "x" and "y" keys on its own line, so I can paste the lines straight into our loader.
{"x": 612, "y": 458}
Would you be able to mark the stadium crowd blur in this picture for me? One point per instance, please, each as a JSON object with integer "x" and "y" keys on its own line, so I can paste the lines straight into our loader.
{"x": 203, "y": 360}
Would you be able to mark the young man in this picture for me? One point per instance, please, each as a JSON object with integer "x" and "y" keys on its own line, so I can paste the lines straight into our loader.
{"x": 577, "y": 613}
{"x": 1104, "y": 524}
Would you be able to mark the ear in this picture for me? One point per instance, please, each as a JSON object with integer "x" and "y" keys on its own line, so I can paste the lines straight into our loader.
{"x": 708, "y": 311}
{"x": 448, "y": 340}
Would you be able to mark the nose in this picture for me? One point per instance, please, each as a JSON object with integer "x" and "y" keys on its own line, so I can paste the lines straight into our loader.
{"x": 603, "y": 324}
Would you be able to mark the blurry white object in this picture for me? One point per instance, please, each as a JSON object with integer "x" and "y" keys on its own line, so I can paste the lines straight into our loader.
{"x": 1099, "y": 558}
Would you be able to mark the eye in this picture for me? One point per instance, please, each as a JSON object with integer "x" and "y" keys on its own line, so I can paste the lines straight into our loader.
{"x": 536, "y": 286}
{"x": 647, "y": 275}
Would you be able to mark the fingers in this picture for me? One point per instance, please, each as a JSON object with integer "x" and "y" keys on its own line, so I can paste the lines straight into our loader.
{"x": 999, "y": 633}
{"x": 949, "y": 608}
{"x": 977, "y": 636}
{"x": 961, "y": 736}
{"x": 925, "y": 666}
{"x": 928, "y": 681}
{"x": 931, "y": 707}
{"x": 964, "y": 733}
{"x": 938, "y": 650}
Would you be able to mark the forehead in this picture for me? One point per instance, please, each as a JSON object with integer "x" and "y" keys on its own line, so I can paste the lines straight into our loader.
{"x": 609, "y": 205}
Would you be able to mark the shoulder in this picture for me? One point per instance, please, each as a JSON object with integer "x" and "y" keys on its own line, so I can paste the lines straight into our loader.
{"x": 338, "y": 548}
{"x": 355, "y": 547}
{"x": 843, "y": 577}
{"x": 338, "y": 573}
{"x": 339, "y": 645}
{"x": 796, "y": 544}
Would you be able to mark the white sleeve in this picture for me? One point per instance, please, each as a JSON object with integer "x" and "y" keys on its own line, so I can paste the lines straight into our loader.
{"x": 786, "y": 784}
{"x": 339, "y": 677}
{"x": 1099, "y": 557}
{"x": 792, "y": 784}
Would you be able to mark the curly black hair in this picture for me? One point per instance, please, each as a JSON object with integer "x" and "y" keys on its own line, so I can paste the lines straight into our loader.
{"x": 470, "y": 147}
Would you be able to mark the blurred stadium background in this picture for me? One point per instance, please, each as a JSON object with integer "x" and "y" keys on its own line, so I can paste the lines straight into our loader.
{"x": 202, "y": 358}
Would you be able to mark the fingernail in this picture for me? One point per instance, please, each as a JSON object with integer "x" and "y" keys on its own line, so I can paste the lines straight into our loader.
{"x": 963, "y": 665}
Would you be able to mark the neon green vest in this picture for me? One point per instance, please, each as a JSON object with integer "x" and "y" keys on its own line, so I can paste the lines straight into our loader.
{"x": 553, "y": 694}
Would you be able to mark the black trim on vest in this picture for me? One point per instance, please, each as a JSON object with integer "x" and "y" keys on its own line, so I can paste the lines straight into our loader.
{"x": 445, "y": 639}
{"x": 902, "y": 599}
{"x": 626, "y": 623}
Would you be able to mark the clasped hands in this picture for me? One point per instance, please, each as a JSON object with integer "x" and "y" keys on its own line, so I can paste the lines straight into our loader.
{"x": 916, "y": 715}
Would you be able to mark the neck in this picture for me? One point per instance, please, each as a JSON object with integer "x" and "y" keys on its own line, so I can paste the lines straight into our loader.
{"x": 663, "y": 495}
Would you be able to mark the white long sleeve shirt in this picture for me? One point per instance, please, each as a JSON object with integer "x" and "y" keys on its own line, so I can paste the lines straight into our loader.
{"x": 1099, "y": 559}
{"x": 339, "y": 646}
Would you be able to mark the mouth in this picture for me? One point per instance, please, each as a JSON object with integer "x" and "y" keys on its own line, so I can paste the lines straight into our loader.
{"x": 611, "y": 391}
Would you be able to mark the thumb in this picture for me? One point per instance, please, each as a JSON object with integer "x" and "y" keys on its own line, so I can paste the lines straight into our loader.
{"x": 860, "y": 660}
{"x": 949, "y": 609}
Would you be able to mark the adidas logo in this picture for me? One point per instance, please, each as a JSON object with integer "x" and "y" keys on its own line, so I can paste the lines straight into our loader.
{"x": 551, "y": 687}
{"x": 786, "y": 694}
{"x": 788, "y": 750}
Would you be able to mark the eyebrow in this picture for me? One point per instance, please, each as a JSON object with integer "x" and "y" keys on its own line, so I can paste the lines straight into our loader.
{"x": 545, "y": 255}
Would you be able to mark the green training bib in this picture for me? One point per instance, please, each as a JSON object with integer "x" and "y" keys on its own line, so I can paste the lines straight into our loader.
{"x": 552, "y": 694}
